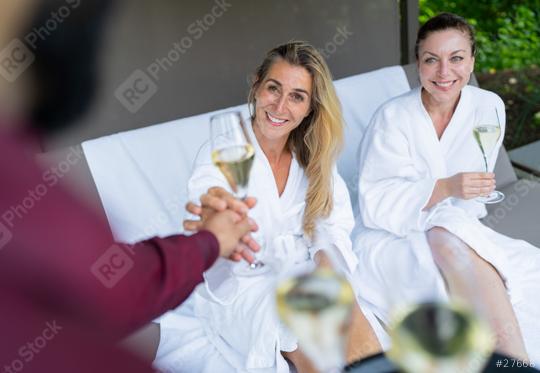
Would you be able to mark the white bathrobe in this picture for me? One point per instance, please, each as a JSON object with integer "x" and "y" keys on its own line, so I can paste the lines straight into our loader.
{"x": 229, "y": 324}
{"x": 400, "y": 160}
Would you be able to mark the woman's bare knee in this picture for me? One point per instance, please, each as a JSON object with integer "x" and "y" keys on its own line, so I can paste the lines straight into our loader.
{"x": 449, "y": 252}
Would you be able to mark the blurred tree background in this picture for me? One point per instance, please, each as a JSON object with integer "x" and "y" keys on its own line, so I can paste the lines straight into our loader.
{"x": 508, "y": 57}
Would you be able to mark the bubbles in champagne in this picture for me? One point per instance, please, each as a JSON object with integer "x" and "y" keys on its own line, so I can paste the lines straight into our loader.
{"x": 487, "y": 136}
{"x": 235, "y": 163}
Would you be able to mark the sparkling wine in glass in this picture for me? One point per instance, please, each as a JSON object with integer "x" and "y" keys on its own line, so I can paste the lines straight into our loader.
{"x": 233, "y": 154}
{"x": 440, "y": 337}
{"x": 487, "y": 131}
{"x": 317, "y": 307}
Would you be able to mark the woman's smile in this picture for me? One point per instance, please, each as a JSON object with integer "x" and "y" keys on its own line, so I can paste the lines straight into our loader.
{"x": 275, "y": 121}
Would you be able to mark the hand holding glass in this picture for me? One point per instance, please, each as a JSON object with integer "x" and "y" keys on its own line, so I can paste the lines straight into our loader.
{"x": 233, "y": 154}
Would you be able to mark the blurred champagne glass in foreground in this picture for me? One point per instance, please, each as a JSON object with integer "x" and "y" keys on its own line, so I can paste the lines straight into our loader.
{"x": 440, "y": 337}
{"x": 443, "y": 335}
{"x": 317, "y": 307}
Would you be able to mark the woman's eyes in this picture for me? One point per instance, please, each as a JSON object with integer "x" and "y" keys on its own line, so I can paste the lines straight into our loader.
{"x": 297, "y": 97}
{"x": 431, "y": 60}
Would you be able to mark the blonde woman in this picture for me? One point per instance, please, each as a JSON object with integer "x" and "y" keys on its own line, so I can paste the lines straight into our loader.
{"x": 230, "y": 325}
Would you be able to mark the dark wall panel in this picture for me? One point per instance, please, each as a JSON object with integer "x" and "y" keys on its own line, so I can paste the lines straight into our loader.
{"x": 168, "y": 59}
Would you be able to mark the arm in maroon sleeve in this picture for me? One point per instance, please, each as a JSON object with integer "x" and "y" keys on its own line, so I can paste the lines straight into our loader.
{"x": 165, "y": 272}
{"x": 65, "y": 253}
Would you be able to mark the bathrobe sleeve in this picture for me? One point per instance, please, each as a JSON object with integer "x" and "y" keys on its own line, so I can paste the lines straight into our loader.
{"x": 333, "y": 233}
{"x": 392, "y": 189}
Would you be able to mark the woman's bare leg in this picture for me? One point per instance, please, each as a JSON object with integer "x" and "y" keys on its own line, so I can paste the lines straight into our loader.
{"x": 300, "y": 361}
{"x": 451, "y": 255}
{"x": 362, "y": 341}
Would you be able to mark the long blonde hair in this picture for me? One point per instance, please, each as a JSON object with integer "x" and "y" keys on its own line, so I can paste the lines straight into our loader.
{"x": 318, "y": 140}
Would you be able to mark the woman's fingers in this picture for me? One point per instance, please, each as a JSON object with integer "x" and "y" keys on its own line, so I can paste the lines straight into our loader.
{"x": 467, "y": 185}
{"x": 473, "y": 192}
{"x": 242, "y": 252}
{"x": 250, "y": 202}
{"x": 247, "y": 255}
{"x": 235, "y": 257}
{"x": 194, "y": 209}
{"x": 192, "y": 225}
{"x": 251, "y": 243}
{"x": 220, "y": 199}
{"x": 480, "y": 175}
{"x": 478, "y": 184}
{"x": 213, "y": 202}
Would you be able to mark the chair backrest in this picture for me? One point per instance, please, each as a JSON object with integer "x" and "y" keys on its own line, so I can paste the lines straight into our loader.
{"x": 504, "y": 172}
{"x": 360, "y": 96}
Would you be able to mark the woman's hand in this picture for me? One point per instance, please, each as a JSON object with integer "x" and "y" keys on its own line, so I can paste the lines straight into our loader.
{"x": 217, "y": 200}
{"x": 323, "y": 260}
{"x": 468, "y": 185}
{"x": 230, "y": 228}
{"x": 465, "y": 185}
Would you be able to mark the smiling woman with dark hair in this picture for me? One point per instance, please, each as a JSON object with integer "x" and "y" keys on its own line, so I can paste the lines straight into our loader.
{"x": 421, "y": 174}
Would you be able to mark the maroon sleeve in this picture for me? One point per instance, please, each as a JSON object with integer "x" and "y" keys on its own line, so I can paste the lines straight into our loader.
{"x": 165, "y": 271}
{"x": 55, "y": 249}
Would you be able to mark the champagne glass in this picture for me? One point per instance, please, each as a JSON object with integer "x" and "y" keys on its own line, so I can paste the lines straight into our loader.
{"x": 442, "y": 336}
{"x": 233, "y": 154}
{"x": 487, "y": 131}
{"x": 317, "y": 307}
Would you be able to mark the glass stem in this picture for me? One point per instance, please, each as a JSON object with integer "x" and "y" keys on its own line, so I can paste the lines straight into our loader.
{"x": 485, "y": 161}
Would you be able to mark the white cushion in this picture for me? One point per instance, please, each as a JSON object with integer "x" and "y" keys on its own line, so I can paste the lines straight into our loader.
{"x": 360, "y": 96}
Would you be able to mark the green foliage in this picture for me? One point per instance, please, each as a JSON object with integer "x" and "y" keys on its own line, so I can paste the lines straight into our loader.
{"x": 536, "y": 119}
{"x": 507, "y": 31}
